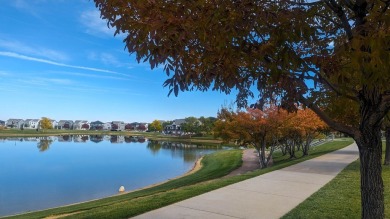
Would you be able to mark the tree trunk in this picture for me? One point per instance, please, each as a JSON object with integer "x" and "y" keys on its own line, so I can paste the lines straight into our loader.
{"x": 387, "y": 153}
{"x": 370, "y": 152}
{"x": 292, "y": 150}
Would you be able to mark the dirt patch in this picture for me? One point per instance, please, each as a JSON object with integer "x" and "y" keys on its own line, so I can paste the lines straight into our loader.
{"x": 62, "y": 215}
{"x": 250, "y": 162}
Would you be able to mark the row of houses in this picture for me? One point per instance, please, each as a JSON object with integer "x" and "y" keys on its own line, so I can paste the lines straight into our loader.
{"x": 75, "y": 125}
{"x": 174, "y": 128}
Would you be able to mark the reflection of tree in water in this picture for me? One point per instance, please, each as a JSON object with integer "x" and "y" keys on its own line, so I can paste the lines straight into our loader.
{"x": 44, "y": 144}
{"x": 189, "y": 152}
{"x": 154, "y": 146}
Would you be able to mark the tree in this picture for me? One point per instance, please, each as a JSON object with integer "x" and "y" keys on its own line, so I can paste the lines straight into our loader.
{"x": 311, "y": 126}
{"x": 207, "y": 124}
{"x": 387, "y": 136}
{"x": 191, "y": 125}
{"x": 45, "y": 123}
{"x": 254, "y": 127}
{"x": 290, "y": 51}
{"x": 155, "y": 126}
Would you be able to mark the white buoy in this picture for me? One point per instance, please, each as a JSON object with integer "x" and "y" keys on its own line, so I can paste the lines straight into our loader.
{"x": 121, "y": 189}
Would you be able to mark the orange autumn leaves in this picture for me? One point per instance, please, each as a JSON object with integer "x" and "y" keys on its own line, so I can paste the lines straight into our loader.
{"x": 269, "y": 128}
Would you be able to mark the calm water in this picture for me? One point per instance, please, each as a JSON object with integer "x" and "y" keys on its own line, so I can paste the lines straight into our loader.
{"x": 40, "y": 173}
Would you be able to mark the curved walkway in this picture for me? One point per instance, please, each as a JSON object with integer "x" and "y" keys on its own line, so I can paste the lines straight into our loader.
{"x": 268, "y": 196}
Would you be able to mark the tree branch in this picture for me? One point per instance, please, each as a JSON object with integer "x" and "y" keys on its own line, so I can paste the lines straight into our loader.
{"x": 333, "y": 124}
{"x": 338, "y": 10}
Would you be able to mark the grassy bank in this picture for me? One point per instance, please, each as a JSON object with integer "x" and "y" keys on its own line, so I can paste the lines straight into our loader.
{"x": 340, "y": 198}
{"x": 206, "y": 179}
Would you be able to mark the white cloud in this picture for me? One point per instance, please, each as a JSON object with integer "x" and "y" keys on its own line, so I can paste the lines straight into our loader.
{"x": 108, "y": 59}
{"x": 91, "y": 75}
{"x": 18, "y": 47}
{"x": 29, "y": 58}
{"x": 94, "y": 24}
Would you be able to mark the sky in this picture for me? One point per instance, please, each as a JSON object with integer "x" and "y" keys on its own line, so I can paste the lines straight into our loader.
{"x": 58, "y": 59}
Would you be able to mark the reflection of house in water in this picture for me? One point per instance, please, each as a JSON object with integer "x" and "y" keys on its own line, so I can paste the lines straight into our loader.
{"x": 117, "y": 139}
{"x": 31, "y": 139}
{"x": 134, "y": 139}
{"x": 65, "y": 138}
{"x": 96, "y": 138}
{"x": 80, "y": 138}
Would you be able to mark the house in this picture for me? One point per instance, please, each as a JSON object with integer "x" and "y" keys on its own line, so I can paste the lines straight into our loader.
{"x": 65, "y": 124}
{"x": 107, "y": 126}
{"x": 14, "y": 123}
{"x": 81, "y": 125}
{"x": 97, "y": 125}
{"x": 54, "y": 123}
{"x": 117, "y": 126}
{"x": 2, "y": 123}
{"x": 136, "y": 126}
{"x": 31, "y": 123}
{"x": 175, "y": 127}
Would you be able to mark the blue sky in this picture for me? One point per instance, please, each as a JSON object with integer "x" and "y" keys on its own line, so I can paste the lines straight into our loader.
{"x": 58, "y": 59}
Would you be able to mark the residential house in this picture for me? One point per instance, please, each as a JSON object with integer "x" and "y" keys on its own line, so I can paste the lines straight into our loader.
{"x": 107, "y": 126}
{"x": 65, "y": 124}
{"x": 81, "y": 125}
{"x": 175, "y": 127}
{"x": 31, "y": 123}
{"x": 136, "y": 126}
{"x": 97, "y": 125}
{"x": 117, "y": 126}
{"x": 2, "y": 123}
{"x": 54, "y": 123}
{"x": 14, "y": 123}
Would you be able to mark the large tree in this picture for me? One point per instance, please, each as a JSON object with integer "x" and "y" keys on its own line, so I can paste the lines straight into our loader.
{"x": 155, "y": 126}
{"x": 288, "y": 50}
{"x": 45, "y": 123}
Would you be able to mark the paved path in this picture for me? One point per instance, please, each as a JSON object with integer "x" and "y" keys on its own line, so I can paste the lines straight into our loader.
{"x": 267, "y": 196}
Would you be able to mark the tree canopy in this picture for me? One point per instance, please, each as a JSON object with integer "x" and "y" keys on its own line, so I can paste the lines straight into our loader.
{"x": 155, "y": 126}
{"x": 46, "y": 123}
{"x": 289, "y": 52}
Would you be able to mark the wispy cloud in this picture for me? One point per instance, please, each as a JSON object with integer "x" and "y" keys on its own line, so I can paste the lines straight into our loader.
{"x": 108, "y": 59}
{"x": 29, "y": 58}
{"x": 92, "y": 75}
{"x": 94, "y": 24}
{"x": 18, "y": 47}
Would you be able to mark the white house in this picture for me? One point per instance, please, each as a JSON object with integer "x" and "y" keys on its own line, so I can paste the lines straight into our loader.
{"x": 14, "y": 123}
{"x": 117, "y": 126}
{"x": 175, "y": 127}
{"x": 81, "y": 125}
{"x": 31, "y": 123}
{"x": 65, "y": 124}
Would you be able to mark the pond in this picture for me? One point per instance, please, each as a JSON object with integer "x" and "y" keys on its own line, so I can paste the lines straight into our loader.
{"x": 44, "y": 172}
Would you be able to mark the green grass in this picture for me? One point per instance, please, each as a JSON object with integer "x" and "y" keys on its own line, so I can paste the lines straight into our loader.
{"x": 206, "y": 179}
{"x": 340, "y": 198}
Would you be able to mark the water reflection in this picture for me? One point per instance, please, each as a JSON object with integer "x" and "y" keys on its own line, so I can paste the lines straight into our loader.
{"x": 44, "y": 144}
{"x": 76, "y": 168}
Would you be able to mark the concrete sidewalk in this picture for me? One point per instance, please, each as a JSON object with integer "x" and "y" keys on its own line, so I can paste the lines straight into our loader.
{"x": 267, "y": 196}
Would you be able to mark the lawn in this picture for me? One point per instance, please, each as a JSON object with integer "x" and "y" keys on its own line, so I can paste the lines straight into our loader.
{"x": 340, "y": 198}
{"x": 206, "y": 179}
